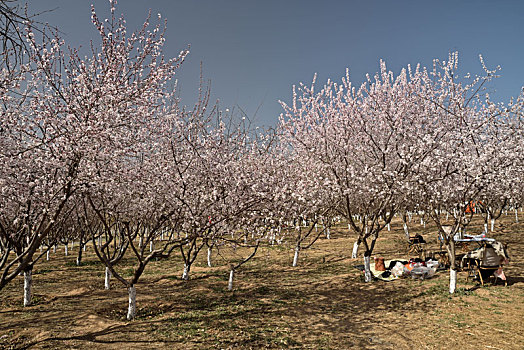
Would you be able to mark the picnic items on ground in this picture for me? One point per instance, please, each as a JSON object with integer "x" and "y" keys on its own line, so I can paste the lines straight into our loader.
{"x": 483, "y": 262}
{"x": 389, "y": 270}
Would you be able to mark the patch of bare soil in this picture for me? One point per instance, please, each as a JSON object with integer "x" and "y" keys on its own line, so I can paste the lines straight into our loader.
{"x": 321, "y": 304}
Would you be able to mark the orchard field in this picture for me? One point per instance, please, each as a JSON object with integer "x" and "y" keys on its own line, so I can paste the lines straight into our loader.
{"x": 98, "y": 151}
{"x": 323, "y": 303}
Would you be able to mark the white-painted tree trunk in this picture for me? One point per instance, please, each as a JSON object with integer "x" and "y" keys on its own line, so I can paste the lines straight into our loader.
{"x": 355, "y": 250}
{"x": 452, "y": 280}
{"x": 492, "y": 225}
{"x": 516, "y": 216}
{"x": 295, "y": 257}
{"x": 230, "y": 283}
{"x": 447, "y": 215}
{"x": 131, "y": 309}
{"x": 349, "y": 227}
{"x": 54, "y": 248}
{"x": 107, "y": 279}
{"x": 65, "y": 249}
{"x": 328, "y": 233}
{"x": 367, "y": 269}
{"x": 389, "y": 227}
{"x": 406, "y": 230}
{"x": 140, "y": 242}
{"x": 150, "y": 246}
{"x": 209, "y": 251}
{"x": 185, "y": 274}
{"x": 485, "y": 228}
{"x": 28, "y": 284}
{"x": 47, "y": 255}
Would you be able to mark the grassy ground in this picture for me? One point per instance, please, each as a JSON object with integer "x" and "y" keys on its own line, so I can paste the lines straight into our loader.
{"x": 321, "y": 304}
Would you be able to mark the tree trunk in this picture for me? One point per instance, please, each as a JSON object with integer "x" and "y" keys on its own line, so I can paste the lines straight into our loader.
{"x": 54, "y": 248}
{"x": 516, "y": 216}
{"x": 209, "y": 251}
{"x": 185, "y": 274}
{"x": 328, "y": 233}
{"x": 65, "y": 249}
{"x": 79, "y": 256}
{"x": 452, "y": 280}
{"x": 389, "y": 226}
{"x": 28, "y": 284}
{"x": 230, "y": 283}
{"x": 355, "y": 249}
{"x": 406, "y": 231}
{"x": 295, "y": 257}
{"x": 47, "y": 255}
{"x": 131, "y": 310}
{"x": 107, "y": 280}
{"x": 492, "y": 225}
{"x": 452, "y": 269}
{"x": 367, "y": 268}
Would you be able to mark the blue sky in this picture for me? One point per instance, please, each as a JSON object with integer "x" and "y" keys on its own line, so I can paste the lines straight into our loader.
{"x": 254, "y": 51}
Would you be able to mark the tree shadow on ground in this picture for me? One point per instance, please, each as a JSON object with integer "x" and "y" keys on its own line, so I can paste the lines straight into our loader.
{"x": 93, "y": 337}
{"x": 294, "y": 310}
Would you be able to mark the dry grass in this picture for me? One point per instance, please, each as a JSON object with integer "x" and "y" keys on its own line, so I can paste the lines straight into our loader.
{"x": 321, "y": 304}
